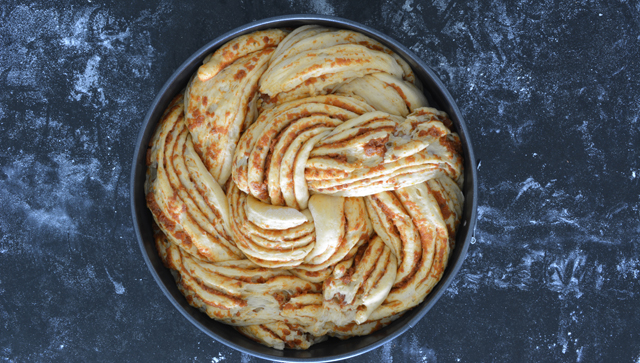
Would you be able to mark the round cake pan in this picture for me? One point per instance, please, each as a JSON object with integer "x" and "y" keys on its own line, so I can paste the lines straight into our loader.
{"x": 332, "y": 349}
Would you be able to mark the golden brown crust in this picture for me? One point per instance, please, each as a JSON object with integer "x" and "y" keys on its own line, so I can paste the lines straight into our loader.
{"x": 302, "y": 188}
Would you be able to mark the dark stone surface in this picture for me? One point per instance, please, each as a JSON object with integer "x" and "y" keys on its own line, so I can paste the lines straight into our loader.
{"x": 551, "y": 95}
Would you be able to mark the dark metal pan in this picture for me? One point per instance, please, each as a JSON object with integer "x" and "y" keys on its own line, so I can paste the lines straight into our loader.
{"x": 333, "y": 349}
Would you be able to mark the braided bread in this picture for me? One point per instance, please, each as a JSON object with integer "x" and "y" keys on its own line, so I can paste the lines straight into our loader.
{"x": 302, "y": 187}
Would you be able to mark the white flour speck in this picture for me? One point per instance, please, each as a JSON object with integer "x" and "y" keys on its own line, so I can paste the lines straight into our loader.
{"x": 119, "y": 288}
{"x": 56, "y": 218}
{"x": 385, "y": 353}
{"x": 526, "y": 185}
{"x": 322, "y": 7}
{"x": 417, "y": 352}
{"x": 599, "y": 276}
{"x": 441, "y": 5}
{"x": 78, "y": 36}
{"x": 88, "y": 80}
{"x": 407, "y": 5}
{"x": 107, "y": 38}
{"x": 629, "y": 268}
{"x": 245, "y": 358}
{"x": 218, "y": 359}
{"x": 579, "y": 354}
{"x": 565, "y": 273}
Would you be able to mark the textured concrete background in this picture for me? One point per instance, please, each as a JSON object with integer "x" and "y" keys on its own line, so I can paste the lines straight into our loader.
{"x": 551, "y": 95}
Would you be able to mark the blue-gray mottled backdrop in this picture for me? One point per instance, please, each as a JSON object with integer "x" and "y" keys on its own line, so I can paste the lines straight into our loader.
{"x": 550, "y": 91}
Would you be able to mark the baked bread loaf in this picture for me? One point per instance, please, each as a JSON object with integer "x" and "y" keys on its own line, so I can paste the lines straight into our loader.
{"x": 302, "y": 187}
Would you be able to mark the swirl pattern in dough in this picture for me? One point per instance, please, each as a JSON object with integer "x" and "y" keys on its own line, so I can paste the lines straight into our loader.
{"x": 302, "y": 187}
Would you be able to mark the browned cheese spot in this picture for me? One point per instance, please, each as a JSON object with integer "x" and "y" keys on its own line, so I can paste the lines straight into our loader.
{"x": 240, "y": 75}
{"x": 376, "y": 147}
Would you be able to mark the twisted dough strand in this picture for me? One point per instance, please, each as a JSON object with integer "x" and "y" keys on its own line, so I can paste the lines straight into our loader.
{"x": 302, "y": 187}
